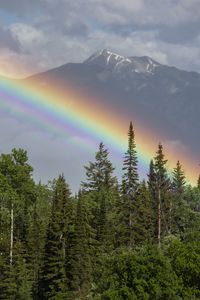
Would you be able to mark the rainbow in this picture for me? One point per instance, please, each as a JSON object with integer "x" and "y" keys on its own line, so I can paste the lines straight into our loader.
{"x": 68, "y": 111}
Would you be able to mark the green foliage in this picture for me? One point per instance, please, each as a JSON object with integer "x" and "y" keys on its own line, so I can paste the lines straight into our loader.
{"x": 18, "y": 185}
{"x": 17, "y": 281}
{"x": 192, "y": 197}
{"x": 143, "y": 274}
{"x": 38, "y": 222}
{"x": 179, "y": 179}
{"x": 185, "y": 260}
{"x": 99, "y": 174}
{"x": 152, "y": 180}
{"x": 53, "y": 280}
{"x": 126, "y": 204}
{"x": 130, "y": 165}
{"x": 163, "y": 200}
{"x": 102, "y": 243}
{"x": 143, "y": 223}
{"x": 81, "y": 252}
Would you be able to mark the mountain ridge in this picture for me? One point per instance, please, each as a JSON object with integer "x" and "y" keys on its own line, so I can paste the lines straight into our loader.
{"x": 164, "y": 97}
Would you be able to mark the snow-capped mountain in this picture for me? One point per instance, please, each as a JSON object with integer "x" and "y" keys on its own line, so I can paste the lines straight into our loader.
{"x": 165, "y": 97}
{"x": 118, "y": 63}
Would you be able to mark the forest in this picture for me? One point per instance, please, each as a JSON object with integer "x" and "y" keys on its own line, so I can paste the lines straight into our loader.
{"x": 115, "y": 239}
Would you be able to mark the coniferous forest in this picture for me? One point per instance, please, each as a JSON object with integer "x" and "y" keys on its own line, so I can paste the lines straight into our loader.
{"x": 116, "y": 239}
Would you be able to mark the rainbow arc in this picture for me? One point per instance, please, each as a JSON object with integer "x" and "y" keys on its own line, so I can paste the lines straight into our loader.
{"x": 68, "y": 111}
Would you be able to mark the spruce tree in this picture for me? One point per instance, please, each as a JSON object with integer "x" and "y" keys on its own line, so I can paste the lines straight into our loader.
{"x": 81, "y": 252}
{"x": 17, "y": 282}
{"x": 152, "y": 179}
{"x": 153, "y": 191}
{"x": 178, "y": 181}
{"x": 178, "y": 204}
{"x": 53, "y": 283}
{"x": 162, "y": 200}
{"x": 99, "y": 174}
{"x": 130, "y": 166}
{"x": 130, "y": 183}
{"x": 143, "y": 216}
{"x": 101, "y": 190}
{"x": 38, "y": 222}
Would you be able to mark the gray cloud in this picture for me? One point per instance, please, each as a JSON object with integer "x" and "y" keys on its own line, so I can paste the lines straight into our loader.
{"x": 49, "y": 33}
{"x": 22, "y": 7}
{"x": 8, "y": 40}
{"x": 17, "y": 134}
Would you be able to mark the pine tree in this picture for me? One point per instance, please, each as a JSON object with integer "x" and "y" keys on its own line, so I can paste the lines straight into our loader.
{"x": 163, "y": 186}
{"x": 152, "y": 179}
{"x": 101, "y": 189}
{"x": 143, "y": 216}
{"x": 38, "y": 223}
{"x": 153, "y": 191}
{"x": 130, "y": 166}
{"x": 178, "y": 181}
{"x": 80, "y": 260}
{"x": 53, "y": 283}
{"x": 130, "y": 183}
{"x": 178, "y": 205}
{"x": 16, "y": 276}
{"x": 104, "y": 220}
{"x": 99, "y": 174}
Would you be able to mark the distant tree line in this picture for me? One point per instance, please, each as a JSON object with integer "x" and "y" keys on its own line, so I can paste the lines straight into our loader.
{"x": 113, "y": 240}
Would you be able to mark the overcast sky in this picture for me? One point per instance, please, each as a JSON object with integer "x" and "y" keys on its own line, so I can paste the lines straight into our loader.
{"x": 36, "y": 35}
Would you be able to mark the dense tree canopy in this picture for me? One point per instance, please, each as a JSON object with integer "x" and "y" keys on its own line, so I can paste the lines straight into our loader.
{"x": 133, "y": 240}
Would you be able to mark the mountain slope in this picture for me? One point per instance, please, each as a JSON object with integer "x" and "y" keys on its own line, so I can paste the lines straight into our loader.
{"x": 163, "y": 97}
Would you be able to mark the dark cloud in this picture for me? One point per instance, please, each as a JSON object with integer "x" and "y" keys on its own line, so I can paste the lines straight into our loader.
{"x": 22, "y": 7}
{"x": 7, "y": 40}
{"x": 51, "y": 32}
{"x": 76, "y": 29}
{"x": 181, "y": 34}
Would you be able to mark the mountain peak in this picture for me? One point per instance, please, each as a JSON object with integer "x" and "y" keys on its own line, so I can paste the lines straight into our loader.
{"x": 105, "y": 57}
{"x": 116, "y": 62}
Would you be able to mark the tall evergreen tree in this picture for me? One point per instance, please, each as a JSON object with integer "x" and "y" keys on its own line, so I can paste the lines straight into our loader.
{"x": 16, "y": 277}
{"x": 143, "y": 219}
{"x": 101, "y": 189}
{"x": 178, "y": 207}
{"x": 163, "y": 186}
{"x": 130, "y": 183}
{"x": 130, "y": 165}
{"x": 178, "y": 181}
{"x": 99, "y": 174}
{"x": 81, "y": 251}
{"x": 53, "y": 283}
{"x": 152, "y": 180}
{"x": 38, "y": 223}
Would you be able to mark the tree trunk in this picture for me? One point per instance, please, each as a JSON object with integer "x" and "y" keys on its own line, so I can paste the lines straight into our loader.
{"x": 130, "y": 225}
{"x": 159, "y": 217}
{"x": 11, "y": 234}
{"x": 170, "y": 216}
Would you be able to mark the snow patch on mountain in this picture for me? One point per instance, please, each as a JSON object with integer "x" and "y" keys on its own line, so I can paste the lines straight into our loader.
{"x": 118, "y": 63}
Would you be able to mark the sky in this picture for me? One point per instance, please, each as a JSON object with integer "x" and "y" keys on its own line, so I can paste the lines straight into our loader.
{"x": 42, "y": 34}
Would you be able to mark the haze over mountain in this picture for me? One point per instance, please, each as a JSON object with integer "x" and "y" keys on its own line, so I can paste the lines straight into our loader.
{"x": 160, "y": 96}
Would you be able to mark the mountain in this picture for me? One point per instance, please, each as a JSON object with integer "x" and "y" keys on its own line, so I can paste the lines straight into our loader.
{"x": 160, "y": 96}
{"x": 119, "y": 64}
